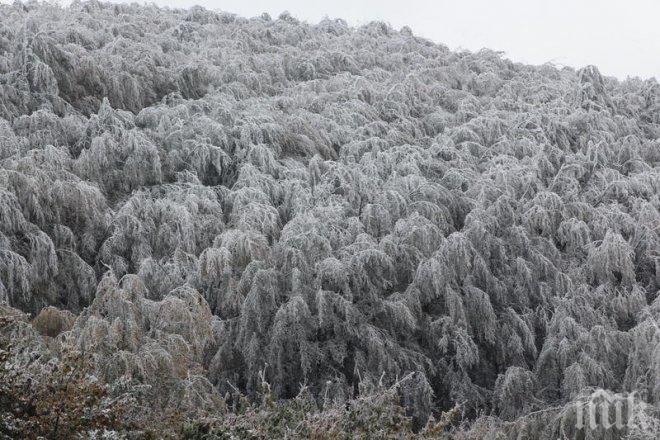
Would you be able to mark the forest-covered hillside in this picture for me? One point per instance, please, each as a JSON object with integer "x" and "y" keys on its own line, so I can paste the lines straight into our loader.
{"x": 253, "y": 228}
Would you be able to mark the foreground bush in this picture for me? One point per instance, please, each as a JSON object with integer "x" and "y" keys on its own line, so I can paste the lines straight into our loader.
{"x": 57, "y": 399}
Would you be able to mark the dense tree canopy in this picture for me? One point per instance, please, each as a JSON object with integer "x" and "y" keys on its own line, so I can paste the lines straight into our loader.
{"x": 222, "y": 202}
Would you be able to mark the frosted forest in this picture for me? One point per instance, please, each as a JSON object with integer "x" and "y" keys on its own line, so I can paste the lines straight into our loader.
{"x": 218, "y": 227}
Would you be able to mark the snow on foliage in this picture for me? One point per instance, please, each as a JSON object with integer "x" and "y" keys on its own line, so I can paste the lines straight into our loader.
{"x": 215, "y": 203}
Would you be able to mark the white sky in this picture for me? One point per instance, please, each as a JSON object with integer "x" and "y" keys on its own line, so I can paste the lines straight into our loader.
{"x": 622, "y": 38}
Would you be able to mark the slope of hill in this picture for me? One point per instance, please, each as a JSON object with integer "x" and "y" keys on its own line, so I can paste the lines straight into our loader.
{"x": 213, "y": 213}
